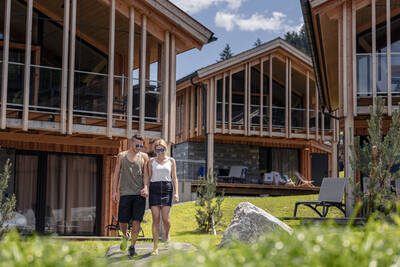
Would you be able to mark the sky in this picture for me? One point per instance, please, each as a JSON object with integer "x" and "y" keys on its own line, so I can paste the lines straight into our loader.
{"x": 238, "y": 23}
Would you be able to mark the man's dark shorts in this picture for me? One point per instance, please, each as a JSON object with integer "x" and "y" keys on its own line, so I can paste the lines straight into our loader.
{"x": 131, "y": 207}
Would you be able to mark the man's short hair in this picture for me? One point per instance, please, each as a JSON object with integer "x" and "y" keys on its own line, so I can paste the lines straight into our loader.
{"x": 138, "y": 137}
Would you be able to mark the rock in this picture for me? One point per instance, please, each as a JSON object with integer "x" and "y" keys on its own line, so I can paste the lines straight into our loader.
{"x": 249, "y": 223}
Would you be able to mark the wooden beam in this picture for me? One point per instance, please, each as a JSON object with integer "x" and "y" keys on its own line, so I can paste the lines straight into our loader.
{"x": 322, "y": 126}
{"x": 214, "y": 104}
{"x": 261, "y": 96}
{"x": 308, "y": 106}
{"x": 142, "y": 78}
{"x": 131, "y": 54}
{"x": 389, "y": 58}
{"x": 64, "y": 75}
{"x": 270, "y": 95}
{"x": 249, "y": 100}
{"x": 71, "y": 86}
{"x": 27, "y": 67}
{"x": 172, "y": 89}
{"x": 287, "y": 97}
{"x": 111, "y": 70}
{"x": 230, "y": 103}
{"x": 199, "y": 107}
{"x": 354, "y": 55}
{"x": 223, "y": 101}
{"x": 316, "y": 113}
{"x": 165, "y": 85}
{"x": 373, "y": 54}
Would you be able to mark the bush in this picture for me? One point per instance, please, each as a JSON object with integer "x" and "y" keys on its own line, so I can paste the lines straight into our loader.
{"x": 375, "y": 245}
{"x": 43, "y": 251}
{"x": 209, "y": 213}
{"x": 7, "y": 205}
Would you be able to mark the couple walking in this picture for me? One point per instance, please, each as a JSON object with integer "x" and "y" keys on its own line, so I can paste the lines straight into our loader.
{"x": 140, "y": 177}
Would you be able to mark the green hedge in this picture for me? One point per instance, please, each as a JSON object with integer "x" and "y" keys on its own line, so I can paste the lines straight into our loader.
{"x": 44, "y": 251}
{"x": 376, "y": 244}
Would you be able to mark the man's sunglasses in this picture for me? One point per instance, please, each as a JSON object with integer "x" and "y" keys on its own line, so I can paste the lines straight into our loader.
{"x": 160, "y": 150}
{"x": 141, "y": 146}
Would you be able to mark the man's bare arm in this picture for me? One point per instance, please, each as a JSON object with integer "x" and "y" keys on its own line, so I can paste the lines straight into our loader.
{"x": 116, "y": 177}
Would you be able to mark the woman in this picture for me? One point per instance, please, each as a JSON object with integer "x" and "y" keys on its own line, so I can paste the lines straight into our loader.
{"x": 161, "y": 173}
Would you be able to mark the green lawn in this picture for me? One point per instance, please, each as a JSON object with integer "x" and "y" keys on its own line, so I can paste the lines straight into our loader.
{"x": 184, "y": 223}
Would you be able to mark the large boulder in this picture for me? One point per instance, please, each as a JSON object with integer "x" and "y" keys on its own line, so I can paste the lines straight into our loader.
{"x": 249, "y": 223}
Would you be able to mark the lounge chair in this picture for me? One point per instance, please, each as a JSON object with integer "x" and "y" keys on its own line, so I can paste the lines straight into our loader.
{"x": 330, "y": 195}
{"x": 114, "y": 226}
{"x": 301, "y": 181}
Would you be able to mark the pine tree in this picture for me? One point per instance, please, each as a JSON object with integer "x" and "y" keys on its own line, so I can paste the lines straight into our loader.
{"x": 7, "y": 205}
{"x": 375, "y": 159}
{"x": 209, "y": 214}
{"x": 299, "y": 40}
{"x": 257, "y": 43}
{"x": 225, "y": 53}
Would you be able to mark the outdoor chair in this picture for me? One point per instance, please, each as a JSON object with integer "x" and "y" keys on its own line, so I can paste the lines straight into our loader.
{"x": 236, "y": 172}
{"x": 301, "y": 181}
{"x": 114, "y": 226}
{"x": 330, "y": 195}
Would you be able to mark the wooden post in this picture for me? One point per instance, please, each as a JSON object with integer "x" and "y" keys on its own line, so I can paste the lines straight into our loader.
{"x": 246, "y": 84}
{"x": 290, "y": 99}
{"x": 249, "y": 100}
{"x": 200, "y": 111}
{"x": 388, "y": 57}
{"x": 373, "y": 4}
{"x": 64, "y": 76}
{"x": 230, "y": 102}
{"x": 214, "y": 105}
{"x": 6, "y": 46}
{"x": 142, "y": 78}
{"x": 308, "y": 106}
{"x": 172, "y": 89}
{"x": 270, "y": 95}
{"x": 354, "y": 55}
{"x": 287, "y": 97}
{"x": 187, "y": 113}
{"x": 192, "y": 111}
{"x": 131, "y": 54}
{"x": 223, "y": 101}
{"x": 344, "y": 67}
{"x": 27, "y": 67}
{"x": 316, "y": 113}
{"x": 111, "y": 45}
{"x": 261, "y": 96}
{"x": 71, "y": 85}
{"x": 322, "y": 126}
{"x": 165, "y": 86}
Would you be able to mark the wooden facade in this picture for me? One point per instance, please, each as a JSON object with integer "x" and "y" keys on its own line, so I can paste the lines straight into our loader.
{"x": 79, "y": 77}
{"x": 290, "y": 116}
{"x": 355, "y": 54}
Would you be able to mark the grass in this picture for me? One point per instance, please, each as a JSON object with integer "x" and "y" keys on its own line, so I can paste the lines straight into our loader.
{"x": 184, "y": 224}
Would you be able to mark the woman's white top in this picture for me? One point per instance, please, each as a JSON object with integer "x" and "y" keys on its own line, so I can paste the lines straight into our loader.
{"x": 161, "y": 172}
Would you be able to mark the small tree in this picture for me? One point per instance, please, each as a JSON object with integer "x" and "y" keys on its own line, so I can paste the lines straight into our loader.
{"x": 257, "y": 43}
{"x": 375, "y": 158}
{"x": 7, "y": 205}
{"x": 209, "y": 214}
{"x": 225, "y": 53}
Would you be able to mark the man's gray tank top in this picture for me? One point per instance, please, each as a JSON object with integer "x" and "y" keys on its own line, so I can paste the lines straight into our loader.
{"x": 131, "y": 182}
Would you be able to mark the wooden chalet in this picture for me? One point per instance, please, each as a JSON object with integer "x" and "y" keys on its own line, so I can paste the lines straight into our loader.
{"x": 356, "y": 55}
{"x": 262, "y": 112}
{"x": 78, "y": 77}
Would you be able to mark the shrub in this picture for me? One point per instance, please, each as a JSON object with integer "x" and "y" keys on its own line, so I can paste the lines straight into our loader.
{"x": 209, "y": 214}
{"x": 7, "y": 205}
{"x": 43, "y": 251}
{"x": 375, "y": 245}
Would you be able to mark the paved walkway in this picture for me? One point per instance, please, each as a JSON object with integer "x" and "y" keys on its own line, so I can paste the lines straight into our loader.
{"x": 143, "y": 253}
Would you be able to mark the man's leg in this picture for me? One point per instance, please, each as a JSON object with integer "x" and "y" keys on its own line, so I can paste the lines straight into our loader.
{"x": 124, "y": 215}
{"x": 166, "y": 211}
{"x": 135, "y": 231}
{"x": 124, "y": 229}
{"x": 155, "y": 212}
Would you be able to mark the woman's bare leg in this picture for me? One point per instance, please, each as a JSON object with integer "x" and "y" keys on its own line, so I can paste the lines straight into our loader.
{"x": 155, "y": 212}
{"x": 166, "y": 212}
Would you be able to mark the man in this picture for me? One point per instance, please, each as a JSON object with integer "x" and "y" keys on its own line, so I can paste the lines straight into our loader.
{"x": 129, "y": 174}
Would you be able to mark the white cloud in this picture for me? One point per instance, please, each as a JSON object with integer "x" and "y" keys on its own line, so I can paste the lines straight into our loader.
{"x": 194, "y": 6}
{"x": 277, "y": 22}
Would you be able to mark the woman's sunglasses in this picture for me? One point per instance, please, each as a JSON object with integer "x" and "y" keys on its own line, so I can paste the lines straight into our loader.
{"x": 141, "y": 146}
{"x": 160, "y": 150}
